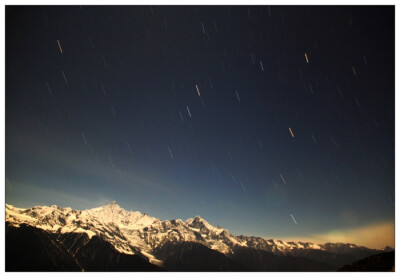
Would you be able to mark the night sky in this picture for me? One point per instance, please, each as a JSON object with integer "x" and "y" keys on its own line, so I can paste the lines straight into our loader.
{"x": 270, "y": 121}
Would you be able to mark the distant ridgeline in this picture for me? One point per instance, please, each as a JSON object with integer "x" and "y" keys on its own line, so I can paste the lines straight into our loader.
{"x": 109, "y": 238}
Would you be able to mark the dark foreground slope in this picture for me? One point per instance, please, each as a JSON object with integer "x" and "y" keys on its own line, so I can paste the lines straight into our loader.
{"x": 99, "y": 255}
{"x": 259, "y": 260}
{"x": 191, "y": 256}
{"x": 32, "y": 249}
{"x": 374, "y": 263}
{"x": 336, "y": 260}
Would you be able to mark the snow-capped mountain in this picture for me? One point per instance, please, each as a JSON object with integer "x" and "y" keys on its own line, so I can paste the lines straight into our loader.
{"x": 131, "y": 232}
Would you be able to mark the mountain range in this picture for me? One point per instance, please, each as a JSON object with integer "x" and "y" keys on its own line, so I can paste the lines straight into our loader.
{"x": 109, "y": 238}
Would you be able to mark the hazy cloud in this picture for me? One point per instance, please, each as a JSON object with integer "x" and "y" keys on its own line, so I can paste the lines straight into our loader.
{"x": 45, "y": 196}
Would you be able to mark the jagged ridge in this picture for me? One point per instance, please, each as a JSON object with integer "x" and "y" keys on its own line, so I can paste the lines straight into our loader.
{"x": 131, "y": 232}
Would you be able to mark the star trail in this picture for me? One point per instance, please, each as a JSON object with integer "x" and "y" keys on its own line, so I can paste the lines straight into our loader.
{"x": 275, "y": 121}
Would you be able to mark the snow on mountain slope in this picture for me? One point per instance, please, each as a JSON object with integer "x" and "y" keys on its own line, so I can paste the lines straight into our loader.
{"x": 124, "y": 219}
{"x": 132, "y": 232}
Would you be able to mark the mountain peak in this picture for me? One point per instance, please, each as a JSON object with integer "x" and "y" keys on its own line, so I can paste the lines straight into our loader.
{"x": 131, "y": 232}
{"x": 388, "y": 249}
{"x": 113, "y": 205}
{"x": 111, "y": 208}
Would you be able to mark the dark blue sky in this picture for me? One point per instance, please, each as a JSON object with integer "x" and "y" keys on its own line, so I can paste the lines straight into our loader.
{"x": 184, "y": 111}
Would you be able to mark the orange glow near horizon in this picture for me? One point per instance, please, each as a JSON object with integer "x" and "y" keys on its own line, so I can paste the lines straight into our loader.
{"x": 376, "y": 236}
